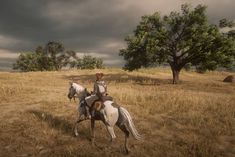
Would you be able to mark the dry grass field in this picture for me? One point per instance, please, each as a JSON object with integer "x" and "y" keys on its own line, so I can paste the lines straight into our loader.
{"x": 193, "y": 119}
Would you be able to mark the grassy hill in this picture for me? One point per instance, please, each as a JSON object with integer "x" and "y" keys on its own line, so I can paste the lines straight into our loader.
{"x": 195, "y": 118}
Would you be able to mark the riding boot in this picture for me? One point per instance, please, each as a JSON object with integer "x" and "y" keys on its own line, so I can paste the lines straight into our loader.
{"x": 92, "y": 113}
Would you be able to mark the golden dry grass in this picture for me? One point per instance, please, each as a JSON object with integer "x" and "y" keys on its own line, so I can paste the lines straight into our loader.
{"x": 193, "y": 119}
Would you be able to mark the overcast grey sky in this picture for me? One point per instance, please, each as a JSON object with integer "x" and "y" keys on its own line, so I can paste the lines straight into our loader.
{"x": 95, "y": 27}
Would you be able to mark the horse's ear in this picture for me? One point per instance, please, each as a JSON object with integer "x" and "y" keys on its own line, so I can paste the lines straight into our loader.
{"x": 70, "y": 83}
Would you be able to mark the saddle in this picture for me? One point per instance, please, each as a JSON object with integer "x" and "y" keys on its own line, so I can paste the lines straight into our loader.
{"x": 106, "y": 98}
{"x": 99, "y": 104}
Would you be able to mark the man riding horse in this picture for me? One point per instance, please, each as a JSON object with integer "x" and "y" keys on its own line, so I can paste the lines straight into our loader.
{"x": 108, "y": 112}
{"x": 95, "y": 101}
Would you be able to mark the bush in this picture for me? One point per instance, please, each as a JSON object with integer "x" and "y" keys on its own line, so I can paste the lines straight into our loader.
{"x": 188, "y": 67}
{"x": 89, "y": 62}
{"x": 27, "y": 62}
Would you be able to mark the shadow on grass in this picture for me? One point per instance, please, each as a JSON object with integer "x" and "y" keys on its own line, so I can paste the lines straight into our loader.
{"x": 57, "y": 123}
{"x": 121, "y": 78}
{"x": 152, "y": 81}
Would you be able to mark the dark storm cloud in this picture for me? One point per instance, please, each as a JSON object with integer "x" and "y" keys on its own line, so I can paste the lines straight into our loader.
{"x": 96, "y": 27}
{"x": 82, "y": 23}
{"x": 23, "y": 20}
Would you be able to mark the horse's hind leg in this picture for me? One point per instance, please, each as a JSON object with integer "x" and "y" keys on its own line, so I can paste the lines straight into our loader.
{"x": 111, "y": 133}
{"x": 127, "y": 133}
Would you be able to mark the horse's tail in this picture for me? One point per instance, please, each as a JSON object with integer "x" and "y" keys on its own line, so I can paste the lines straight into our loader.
{"x": 130, "y": 124}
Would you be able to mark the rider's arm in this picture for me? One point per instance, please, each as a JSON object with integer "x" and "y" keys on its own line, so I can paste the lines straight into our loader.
{"x": 96, "y": 88}
{"x": 105, "y": 87}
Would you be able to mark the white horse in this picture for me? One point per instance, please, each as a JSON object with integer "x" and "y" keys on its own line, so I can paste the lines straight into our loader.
{"x": 116, "y": 115}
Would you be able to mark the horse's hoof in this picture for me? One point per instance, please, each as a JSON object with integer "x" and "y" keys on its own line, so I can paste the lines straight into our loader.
{"x": 127, "y": 151}
{"x": 92, "y": 143}
{"x": 76, "y": 134}
{"x": 112, "y": 140}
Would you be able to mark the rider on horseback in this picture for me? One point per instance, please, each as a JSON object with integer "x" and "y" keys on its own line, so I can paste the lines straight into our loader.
{"x": 96, "y": 100}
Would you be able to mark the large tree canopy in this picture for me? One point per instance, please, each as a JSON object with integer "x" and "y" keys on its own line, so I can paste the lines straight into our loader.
{"x": 178, "y": 39}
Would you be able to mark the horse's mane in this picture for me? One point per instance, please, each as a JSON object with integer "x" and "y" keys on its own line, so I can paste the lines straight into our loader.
{"x": 77, "y": 85}
{"x": 80, "y": 86}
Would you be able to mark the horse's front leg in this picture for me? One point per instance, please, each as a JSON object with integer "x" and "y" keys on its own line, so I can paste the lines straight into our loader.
{"x": 92, "y": 132}
{"x": 76, "y": 127}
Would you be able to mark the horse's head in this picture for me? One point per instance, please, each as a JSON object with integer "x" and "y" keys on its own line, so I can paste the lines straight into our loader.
{"x": 74, "y": 89}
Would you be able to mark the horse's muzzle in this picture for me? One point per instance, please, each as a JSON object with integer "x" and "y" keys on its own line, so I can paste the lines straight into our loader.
{"x": 69, "y": 96}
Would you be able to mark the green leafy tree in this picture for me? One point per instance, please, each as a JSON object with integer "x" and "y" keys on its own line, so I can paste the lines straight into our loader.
{"x": 231, "y": 33}
{"x": 27, "y": 62}
{"x": 89, "y": 62}
{"x": 56, "y": 54}
{"x": 51, "y": 57}
{"x": 178, "y": 39}
{"x": 211, "y": 62}
{"x": 225, "y": 23}
{"x": 43, "y": 60}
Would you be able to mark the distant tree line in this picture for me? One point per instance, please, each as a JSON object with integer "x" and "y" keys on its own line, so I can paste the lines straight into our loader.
{"x": 180, "y": 39}
{"x": 53, "y": 56}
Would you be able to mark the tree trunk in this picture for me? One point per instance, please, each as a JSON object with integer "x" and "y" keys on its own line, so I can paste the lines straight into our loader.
{"x": 175, "y": 73}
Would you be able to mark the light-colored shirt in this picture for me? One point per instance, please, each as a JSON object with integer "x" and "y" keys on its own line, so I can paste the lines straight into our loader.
{"x": 100, "y": 88}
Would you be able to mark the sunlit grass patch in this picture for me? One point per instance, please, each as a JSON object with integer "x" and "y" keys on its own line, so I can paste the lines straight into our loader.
{"x": 193, "y": 118}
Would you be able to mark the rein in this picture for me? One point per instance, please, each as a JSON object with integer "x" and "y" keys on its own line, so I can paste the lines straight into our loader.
{"x": 83, "y": 101}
